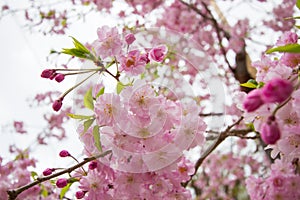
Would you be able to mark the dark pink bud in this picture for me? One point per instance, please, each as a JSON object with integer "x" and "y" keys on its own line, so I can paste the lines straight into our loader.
{"x": 53, "y": 76}
{"x": 253, "y": 100}
{"x": 57, "y": 104}
{"x": 158, "y": 53}
{"x": 64, "y": 153}
{"x": 145, "y": 58}
{"x": 62, "y": 182}
{"x": 59, "y": 77}
{"x": 47, "y": 73}
{"x": 270, "y": 132}
{"x": 93, "y": 165}
{"x": 277, "y": 90}
{"x": 48, "y": 171}
{"x": 80, "y": 194}
{"x": 129, "y": 38}
{"x": 5, "y": 7}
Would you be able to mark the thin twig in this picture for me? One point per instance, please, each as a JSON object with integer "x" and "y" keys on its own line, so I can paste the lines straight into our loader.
{"x": 210, "y": 114}
{"x": 13, "y": 194}
{"x": 222, "y": 136}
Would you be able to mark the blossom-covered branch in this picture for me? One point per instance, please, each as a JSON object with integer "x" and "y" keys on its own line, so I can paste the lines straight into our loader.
{"x": 13, "y": 194}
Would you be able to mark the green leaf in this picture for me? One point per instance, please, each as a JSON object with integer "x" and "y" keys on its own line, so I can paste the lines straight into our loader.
{"x": 298, "y": 4}
{"x": 289, "y": 48}
{"x": 88, "y": 99}
{"x": 44, "y": 191}
{"x": 81, "y": 117}
{"x": 260, "y": 85}
{"x": 87, "y": 124}
{"x": 96, "y": 135}
{"x": 34, "y": 175}
{"x": 101, "y": 91}
{"x": 250, "y": 84}
{"x": 64, "y": 191}
{"x": 251, "y": 126}
{"x": 120, "y": 87}
{"x": 75, "y": 52}
{"x": 80, "y": 46}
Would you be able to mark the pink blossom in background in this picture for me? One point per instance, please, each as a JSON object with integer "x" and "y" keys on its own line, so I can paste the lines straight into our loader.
{"x": 108, "y": 43}
{"x": 19, "y": 127}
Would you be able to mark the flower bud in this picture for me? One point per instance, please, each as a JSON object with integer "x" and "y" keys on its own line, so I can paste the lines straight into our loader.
{"x": 48, "y": 171}
{"x": 145, "y": 58}
{"x": 158, "y": 53}
{"x": 62, "y": 182}
{"x": 59, "y": 77}
{"x": 64, "y": 153}
{"x": 93, "y": 165}
{"x": 270, "y": 132}
{"x": 80, "y": 194}
{"x": 277, "y": 90}
{"x": 129, "y": 38}
{"x": 57, "y": 104}
{"x": 253, "y": 100}
{"x": 47, "y": 73}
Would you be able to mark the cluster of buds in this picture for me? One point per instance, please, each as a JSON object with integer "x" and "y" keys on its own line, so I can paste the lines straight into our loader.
{"x": 52, "y": 74}
{"x": 275, "y": 91}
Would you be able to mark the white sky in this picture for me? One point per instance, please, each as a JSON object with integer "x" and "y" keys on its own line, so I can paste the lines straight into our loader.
{"x": 23, "y": 57}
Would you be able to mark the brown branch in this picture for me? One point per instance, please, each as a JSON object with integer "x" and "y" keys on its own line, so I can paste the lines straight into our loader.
{"x": 218, "y": 32}
{"x": 210, "y": 114}
{"x": 13, "y": 194}
{"x": 222, "y": 136}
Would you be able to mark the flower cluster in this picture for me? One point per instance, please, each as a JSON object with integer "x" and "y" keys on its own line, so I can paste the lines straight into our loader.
{"x": 147, "y": 136}
{"x": 273, "y": 111}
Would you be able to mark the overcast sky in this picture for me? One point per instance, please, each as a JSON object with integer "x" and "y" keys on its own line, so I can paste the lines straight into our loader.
{"x": 23, "y": 57}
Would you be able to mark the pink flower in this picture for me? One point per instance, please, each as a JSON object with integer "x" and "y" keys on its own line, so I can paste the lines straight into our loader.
{"x": 57, "y": 104}
{"x": 59, "y": 77}
{"x": 107, "y": 108}
{"x": 270, "y": 132}
{"x": 133, "y": 63}
{"x": 287, "y": 38}
{"x": 277, "y": 90}
{"x": 108, "y": 43}
{"x": 129, "y": 38}
{"x": 62, "y": 182}
{"x": 64, "y": 153}
{"x": 158, "y": 53}
{"x": 96, "y": 185}
{"x": 253, "y": 100}
{"x": 290, "y": 59}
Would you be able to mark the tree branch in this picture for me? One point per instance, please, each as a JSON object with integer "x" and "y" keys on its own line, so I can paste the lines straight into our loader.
{"x": 222, "y": 136}
{"x": 210, "y": 114}
{"x": 13, "y": 194}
